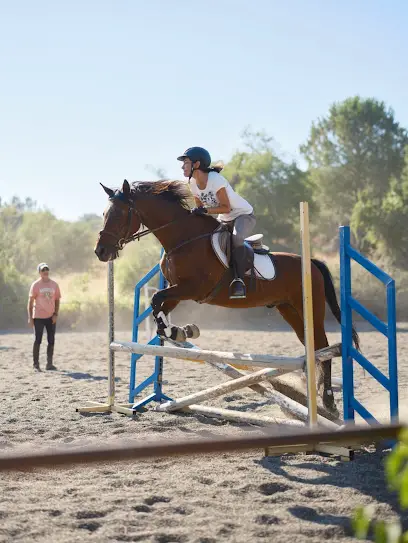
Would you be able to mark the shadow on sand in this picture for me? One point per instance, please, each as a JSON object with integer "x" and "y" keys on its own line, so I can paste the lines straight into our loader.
{"x": 79, "y": 375}
{"x": 365, "y": 475}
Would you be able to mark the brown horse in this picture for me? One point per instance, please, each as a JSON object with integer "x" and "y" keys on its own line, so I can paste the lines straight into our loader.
{"x": 194, "y": 272}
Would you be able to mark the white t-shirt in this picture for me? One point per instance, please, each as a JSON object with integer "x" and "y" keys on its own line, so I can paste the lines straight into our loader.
{"x": 209, "y": 198}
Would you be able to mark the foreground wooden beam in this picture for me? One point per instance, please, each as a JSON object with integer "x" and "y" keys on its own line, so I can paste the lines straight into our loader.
{"x": 52, "y": 458}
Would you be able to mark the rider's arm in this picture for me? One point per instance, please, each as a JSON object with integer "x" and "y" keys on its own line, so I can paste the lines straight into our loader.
{"x": 198, "y": 202}
{"x": 224, "y": 207}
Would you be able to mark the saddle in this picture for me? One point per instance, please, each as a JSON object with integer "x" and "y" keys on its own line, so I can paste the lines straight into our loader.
{"x": 257, "y": 256}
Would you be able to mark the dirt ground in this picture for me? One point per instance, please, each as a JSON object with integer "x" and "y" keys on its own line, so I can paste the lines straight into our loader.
{"x": 227, "y": 497}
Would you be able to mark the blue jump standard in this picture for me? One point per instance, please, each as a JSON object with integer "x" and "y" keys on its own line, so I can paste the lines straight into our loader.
{"x": 388, "y": 329}
{"x": 156, "y": 378}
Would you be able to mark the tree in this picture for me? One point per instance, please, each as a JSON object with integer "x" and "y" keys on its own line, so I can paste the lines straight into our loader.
{"x": 272, "y": 186}
{"x": 385, "y": 225}
{"x": 353, "y": 154}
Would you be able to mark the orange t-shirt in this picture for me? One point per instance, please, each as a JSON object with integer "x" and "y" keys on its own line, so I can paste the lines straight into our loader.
{"x": 44, "y": 293}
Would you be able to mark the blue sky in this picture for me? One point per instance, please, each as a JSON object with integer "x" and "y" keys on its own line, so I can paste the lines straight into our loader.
{"x": 98, "y": 90}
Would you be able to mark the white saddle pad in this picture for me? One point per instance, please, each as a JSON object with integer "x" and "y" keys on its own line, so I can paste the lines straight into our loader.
{"x": 264, "y": 268}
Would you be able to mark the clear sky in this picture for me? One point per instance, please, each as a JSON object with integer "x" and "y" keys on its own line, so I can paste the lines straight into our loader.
{"x": 98, "y": 90}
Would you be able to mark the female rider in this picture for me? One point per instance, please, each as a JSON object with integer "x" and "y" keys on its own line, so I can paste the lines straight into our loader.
{"x": 214, "y": 195}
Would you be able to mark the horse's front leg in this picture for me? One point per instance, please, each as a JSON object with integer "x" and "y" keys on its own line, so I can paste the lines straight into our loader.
{"x": 163, "y": 302}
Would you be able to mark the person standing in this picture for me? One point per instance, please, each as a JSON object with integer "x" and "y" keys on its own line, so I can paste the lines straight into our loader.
{"x": 43, "y": 306}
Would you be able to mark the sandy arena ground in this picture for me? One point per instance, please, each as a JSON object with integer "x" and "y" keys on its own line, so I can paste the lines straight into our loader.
{"x": 226, "y": 497}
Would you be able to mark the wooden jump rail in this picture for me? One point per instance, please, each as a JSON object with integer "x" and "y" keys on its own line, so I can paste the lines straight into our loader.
{"x": 306, "y": 438}
{"x": 237, "y": 360}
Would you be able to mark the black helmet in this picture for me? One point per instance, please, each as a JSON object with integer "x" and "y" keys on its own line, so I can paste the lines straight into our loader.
{"x": 195, "y": 154}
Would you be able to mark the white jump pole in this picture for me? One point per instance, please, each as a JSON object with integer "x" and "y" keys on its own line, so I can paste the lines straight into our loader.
{"x": 308, "y": 314}
{"x": 199, "y": 355}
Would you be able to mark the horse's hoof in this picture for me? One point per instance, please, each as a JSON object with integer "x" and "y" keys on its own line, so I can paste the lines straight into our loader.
{"x": 192, "y": 331}
{"x": 328, "y": 402}
{"x": 178, "y": 334}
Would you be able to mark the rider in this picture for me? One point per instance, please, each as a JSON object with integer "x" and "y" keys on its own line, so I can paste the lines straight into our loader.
{"x": 213, "y": 194}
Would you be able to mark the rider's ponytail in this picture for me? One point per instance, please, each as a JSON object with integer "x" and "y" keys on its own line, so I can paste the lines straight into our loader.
{"x": 217, "y": 167}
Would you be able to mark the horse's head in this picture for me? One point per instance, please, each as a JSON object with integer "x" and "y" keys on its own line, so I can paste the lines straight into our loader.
{"x": 121, "y": 220}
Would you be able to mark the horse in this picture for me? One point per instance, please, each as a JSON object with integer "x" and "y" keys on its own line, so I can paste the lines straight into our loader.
{"x": 194, "y": 272}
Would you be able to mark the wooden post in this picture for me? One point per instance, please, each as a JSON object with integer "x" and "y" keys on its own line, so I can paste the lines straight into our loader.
{"x": 308, "y": 314}
{"x": 109, "y": 406}
{"x": 111, "y": 333}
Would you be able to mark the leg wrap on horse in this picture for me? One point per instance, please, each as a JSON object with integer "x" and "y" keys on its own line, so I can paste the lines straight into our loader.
{"x": 172, "y": 332}
{"x": 163, "y": 326}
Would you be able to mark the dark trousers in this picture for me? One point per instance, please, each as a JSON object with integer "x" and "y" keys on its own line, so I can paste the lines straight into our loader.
{"x": 39, "y": 325}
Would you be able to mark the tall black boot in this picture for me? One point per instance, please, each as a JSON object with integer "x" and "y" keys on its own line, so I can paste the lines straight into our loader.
{"x": 237, "y": 289}
{"x": 36, "y": 356}
{"x": 50, "y": 354}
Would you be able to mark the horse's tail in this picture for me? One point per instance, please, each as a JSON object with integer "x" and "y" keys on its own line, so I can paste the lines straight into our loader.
{"x": 331, "y": 297}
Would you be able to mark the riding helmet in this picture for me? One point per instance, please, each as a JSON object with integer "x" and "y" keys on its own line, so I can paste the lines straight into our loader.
{"x": 197, "y": 154}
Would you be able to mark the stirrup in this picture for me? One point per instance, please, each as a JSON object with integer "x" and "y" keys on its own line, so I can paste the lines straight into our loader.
{"x": 239, "y": 285}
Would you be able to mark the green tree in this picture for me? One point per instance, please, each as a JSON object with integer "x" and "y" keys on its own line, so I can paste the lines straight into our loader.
{"x": 137, "y": 259}
{"x": 13, "y": 285}
{"x": 384, "y": 222}
{"x": 95, "y": 222}
{"x": 274, "y": 188}
{"x": 353, "y": 154}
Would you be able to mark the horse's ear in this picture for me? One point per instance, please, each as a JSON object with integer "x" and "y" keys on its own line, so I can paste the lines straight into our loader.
{"x": 108, "y": 191}
{"x": 126, "y": 188}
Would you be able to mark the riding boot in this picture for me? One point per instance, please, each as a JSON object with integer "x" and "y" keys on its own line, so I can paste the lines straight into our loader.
{"x": 237, "y": 289}
{"x": 50, "y": 354}
{"x": 36, "y": 356}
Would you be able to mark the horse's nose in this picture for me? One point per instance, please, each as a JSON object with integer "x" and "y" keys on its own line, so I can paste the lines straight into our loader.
{"x": 99, "y": 251}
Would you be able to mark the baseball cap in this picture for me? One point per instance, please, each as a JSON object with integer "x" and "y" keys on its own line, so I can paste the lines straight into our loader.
{"x": 41, "y": 266}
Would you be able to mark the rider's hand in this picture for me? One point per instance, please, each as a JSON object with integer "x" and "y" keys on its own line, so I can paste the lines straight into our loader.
{"x": 31, "y": 322}
{"x": 199, "y": 211}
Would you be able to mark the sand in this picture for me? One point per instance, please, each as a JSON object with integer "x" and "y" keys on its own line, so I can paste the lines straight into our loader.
{"x": 227, "y": 497}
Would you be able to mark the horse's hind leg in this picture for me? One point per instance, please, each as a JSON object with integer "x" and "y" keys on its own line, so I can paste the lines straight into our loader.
{"x": 294, "y": 317}
{"x": 325, "y": 368}
{"x": 295, "y": 321}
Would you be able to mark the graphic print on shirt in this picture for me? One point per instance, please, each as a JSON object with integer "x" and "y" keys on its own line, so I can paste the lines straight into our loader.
{"x": 209, "y": 198}
{"x": 47, "y": 292}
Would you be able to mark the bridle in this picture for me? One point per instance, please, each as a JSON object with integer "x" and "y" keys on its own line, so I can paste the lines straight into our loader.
{"x": 128, "y": 237}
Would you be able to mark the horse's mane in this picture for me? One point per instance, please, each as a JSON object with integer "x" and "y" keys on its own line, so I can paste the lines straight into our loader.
{"x": 171, "y": 191}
